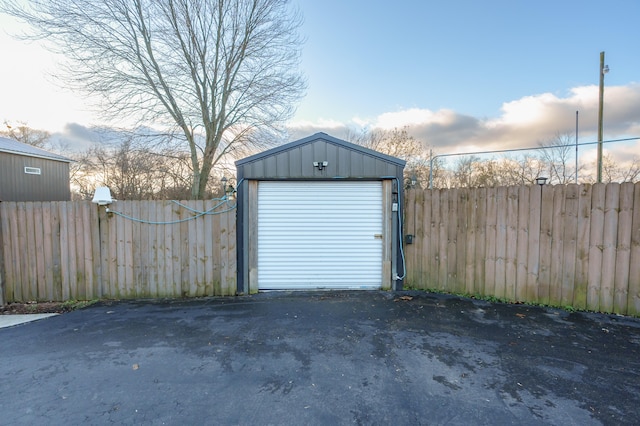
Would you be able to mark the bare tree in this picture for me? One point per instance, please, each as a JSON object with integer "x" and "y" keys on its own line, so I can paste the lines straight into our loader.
{"x": 558, "y": 155}
{"x": 399, "y": 143}
{"x": 217, "y": 72}
{"x": 613, "y": 171}
{"x": 21, "y": 132}
{"x": 134, "y": 170}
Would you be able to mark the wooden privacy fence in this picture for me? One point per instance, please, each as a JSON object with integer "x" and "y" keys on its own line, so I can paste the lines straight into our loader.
{"x": 76, "y": 250}
{"x": 559, "y": 245}
{"x": 573, "y": 245}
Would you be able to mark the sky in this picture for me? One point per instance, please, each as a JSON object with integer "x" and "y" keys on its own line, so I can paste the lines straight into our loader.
{"x": 461, "y": 75}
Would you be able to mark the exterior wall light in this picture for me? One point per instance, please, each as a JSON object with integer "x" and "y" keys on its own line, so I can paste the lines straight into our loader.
{"x": 102, "y": 196}
{"x": 227, "y": 190}
{"x": 320, "y": 164}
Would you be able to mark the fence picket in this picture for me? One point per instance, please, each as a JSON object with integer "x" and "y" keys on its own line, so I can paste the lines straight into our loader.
{"x": 623, "y": 249}
{"x": 609, "y": 246}
{"x": 569, "y": 248}
{"x": 491, "y": 236}
{"x": 633, "y": 305}
{"x": 582, "y": 248}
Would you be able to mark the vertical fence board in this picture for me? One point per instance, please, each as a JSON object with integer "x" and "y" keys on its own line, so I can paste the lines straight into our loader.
{"x": 409, "y": 223}
{"x": 538, "y": 205}
{"x": 232, "y": 283}
{"x": 67, "y": 250}
{"x": 153, "y": 259}
{"x": 185, "y": 252}
{"x": 434, "y": 240}
{"x": 582, "y": 248}
{"x": 24, "y": 260}
{"x": 491, "y": 236}
{"x": 511, "y": 261}
{"x": 443, "y": 272}
{"x": 16, "y": 254}
{"x": 190, "y": 278}
{"x": 609, "y": 243}
{"x": 544, "y": 246}
{"x": 139, "y": 287}
{"x": 623, "y": 249}
{"x": 78, "y": 281}
{"x": 169, "y": 283}
{"x": 415, "y": 225}
{"x": 501, "y": 242}
{"x": 112, "y": 264}
{"x": 176, "y": 244}
{"x": 96, "y": 262}
{"x": 554, "y": 291}
{"x": 481, "y": 238}
{"x": 633, "y": 305}
{"x": 470, "y": 249}
{"x": 596, "y": 238}
{"x": 569, "y": 247}
{"x": 56, "y": 250}
{"x": 462, "y": 213}
{"x": 87, "y": 257}
{"x": 225, "y": 245}
{"x": 31, "y": 283}
{"x": 40, "y": 259}
{"x": 424, "y": 233}
{"x": 451, "y": 214}
{"x": 129, "y": 259}
{"x": 209, "y": 263}
{"x": 217, "y": 254}
{"x": 198, "y": 283}
{"x": 522, "y": 248}
{"x": 160, "y": 241}
{"x": 2, "y": 258}
{"x": 7, "y": 270}
{"x": 145, "y": 265}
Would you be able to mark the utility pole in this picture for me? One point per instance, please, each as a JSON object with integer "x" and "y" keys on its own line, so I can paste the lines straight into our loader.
{"x": 576, "y": 147}
{"x": 603, "y": 70}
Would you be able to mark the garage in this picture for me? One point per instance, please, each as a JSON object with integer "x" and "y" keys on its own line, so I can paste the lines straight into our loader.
{"x": 319, "y": 214}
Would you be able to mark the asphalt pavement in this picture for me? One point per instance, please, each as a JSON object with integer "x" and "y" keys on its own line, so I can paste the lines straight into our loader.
{"x": 321, "y": 358}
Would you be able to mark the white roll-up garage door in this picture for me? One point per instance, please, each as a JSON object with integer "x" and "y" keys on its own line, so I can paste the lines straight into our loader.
{"x": 319, "y": 235}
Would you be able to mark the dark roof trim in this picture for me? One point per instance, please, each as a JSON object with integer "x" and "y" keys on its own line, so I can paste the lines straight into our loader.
{"x": 11, "y": 146}
{"x": 325, "y": 137}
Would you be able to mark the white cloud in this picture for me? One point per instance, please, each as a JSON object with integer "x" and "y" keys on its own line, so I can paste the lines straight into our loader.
{"x": 522, "y": 123}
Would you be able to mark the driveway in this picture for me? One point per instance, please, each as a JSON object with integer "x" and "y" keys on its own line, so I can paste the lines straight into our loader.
{"x": 321, "y": 358}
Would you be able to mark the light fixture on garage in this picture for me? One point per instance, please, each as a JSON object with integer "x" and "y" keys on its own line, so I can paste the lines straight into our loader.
{"x": 227, "y": 190}
{"x": 320, "y": 164}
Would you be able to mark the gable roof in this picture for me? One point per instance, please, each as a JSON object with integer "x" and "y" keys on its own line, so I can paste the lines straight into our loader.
{"x": 14, "y": 147}
{"x": 325, "y": 137}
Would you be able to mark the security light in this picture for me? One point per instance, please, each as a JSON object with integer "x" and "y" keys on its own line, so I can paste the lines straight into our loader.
{"x": 102, "y": 196}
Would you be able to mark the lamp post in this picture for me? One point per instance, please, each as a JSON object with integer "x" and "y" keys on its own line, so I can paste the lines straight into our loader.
{"x": 603, "y": 70}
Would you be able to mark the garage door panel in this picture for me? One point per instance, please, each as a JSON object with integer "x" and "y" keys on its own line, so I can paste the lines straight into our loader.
{"x": 319, "y": 235}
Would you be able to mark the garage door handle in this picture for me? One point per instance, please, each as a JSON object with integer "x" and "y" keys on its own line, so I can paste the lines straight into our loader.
{"x": 379, "y": 236}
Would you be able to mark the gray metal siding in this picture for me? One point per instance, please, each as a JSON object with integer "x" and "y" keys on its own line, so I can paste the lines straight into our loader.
{"x": 52, "y": 184}
{"x": 297, "y": 163}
